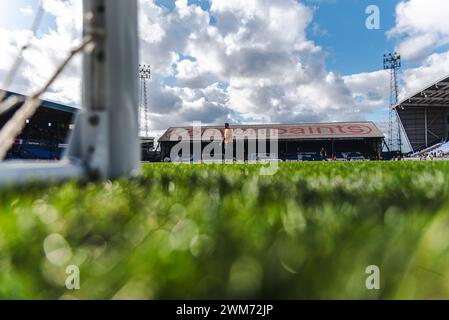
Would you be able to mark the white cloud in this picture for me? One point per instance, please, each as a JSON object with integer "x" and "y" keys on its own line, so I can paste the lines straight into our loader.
{"x": 369, "y": 90}
{"x": 421, "y": 26}
{"x": 190, "y": 74}
{"x": 255, "y": 63}
{"x": 27, "y": 11}
{"x": 255, "y": 59}
{"x": 274, "y": 73}
{"x": 10, "y": 45}
{"x": 46, "y": 52}
{"x": 434, "y": 68}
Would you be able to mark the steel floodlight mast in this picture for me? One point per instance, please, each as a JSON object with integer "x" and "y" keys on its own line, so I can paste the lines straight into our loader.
{"x": 145, "y": 76}
{"x": 104, "y": 143}
{"x": 392, "y": 62}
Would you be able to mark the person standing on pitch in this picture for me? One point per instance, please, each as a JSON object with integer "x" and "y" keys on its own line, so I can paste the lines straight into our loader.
{"x": 228, "y": 143}
{"x": 323, "y": 154}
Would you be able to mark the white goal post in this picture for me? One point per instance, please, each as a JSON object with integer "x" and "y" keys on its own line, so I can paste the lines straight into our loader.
{"x": 104, "y": 143}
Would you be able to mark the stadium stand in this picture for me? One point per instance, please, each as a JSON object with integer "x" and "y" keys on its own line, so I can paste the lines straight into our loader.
{"x": 45, "y": 134}
{"x": 444, "y": 148}
{"x": 296, "y": 142}
{"x": 425, "y": 116}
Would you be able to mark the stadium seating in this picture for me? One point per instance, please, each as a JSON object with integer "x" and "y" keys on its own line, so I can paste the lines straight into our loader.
{"x": 444, "y": 147}
{"x": 429, "y": 149}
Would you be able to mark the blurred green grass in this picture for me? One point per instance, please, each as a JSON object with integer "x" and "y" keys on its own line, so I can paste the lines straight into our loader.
{"x": 224, "y": 231}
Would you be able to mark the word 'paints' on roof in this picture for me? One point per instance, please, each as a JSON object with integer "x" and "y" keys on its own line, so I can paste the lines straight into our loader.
{"x": 296, "y": 131}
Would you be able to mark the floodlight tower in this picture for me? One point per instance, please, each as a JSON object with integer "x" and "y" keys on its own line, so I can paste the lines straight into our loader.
{"x": 145, "y": 76}
{"x": 392, "y": 62}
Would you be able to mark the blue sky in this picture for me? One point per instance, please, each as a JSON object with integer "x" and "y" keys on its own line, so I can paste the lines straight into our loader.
{"x": 352, "y": 47}
{"x": 170, "y": 4}
{"x": 252, "y": 61}
{"x": 339, "y": 27}
{"x": 14, "y": 19}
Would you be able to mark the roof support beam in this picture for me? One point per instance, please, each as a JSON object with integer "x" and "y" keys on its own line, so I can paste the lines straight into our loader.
{"x": 430, "y": 98}
{"x": 426, "y": 131}
{"x": 422, "y": 105}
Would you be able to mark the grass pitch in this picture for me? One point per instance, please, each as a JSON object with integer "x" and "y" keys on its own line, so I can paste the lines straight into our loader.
{"x": 224, "y": 231}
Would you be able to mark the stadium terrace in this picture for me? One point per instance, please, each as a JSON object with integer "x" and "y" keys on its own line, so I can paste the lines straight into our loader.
{"x": 295, "y": 141}
{"x": 424, "y": 116}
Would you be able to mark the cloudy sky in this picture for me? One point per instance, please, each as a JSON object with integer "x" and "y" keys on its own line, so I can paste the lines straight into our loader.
{"x": 252, "y": 61}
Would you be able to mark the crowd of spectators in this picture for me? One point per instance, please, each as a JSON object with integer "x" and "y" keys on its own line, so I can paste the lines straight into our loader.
{"x": 440, "y": 155}
{"x": 439, "y": 151}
